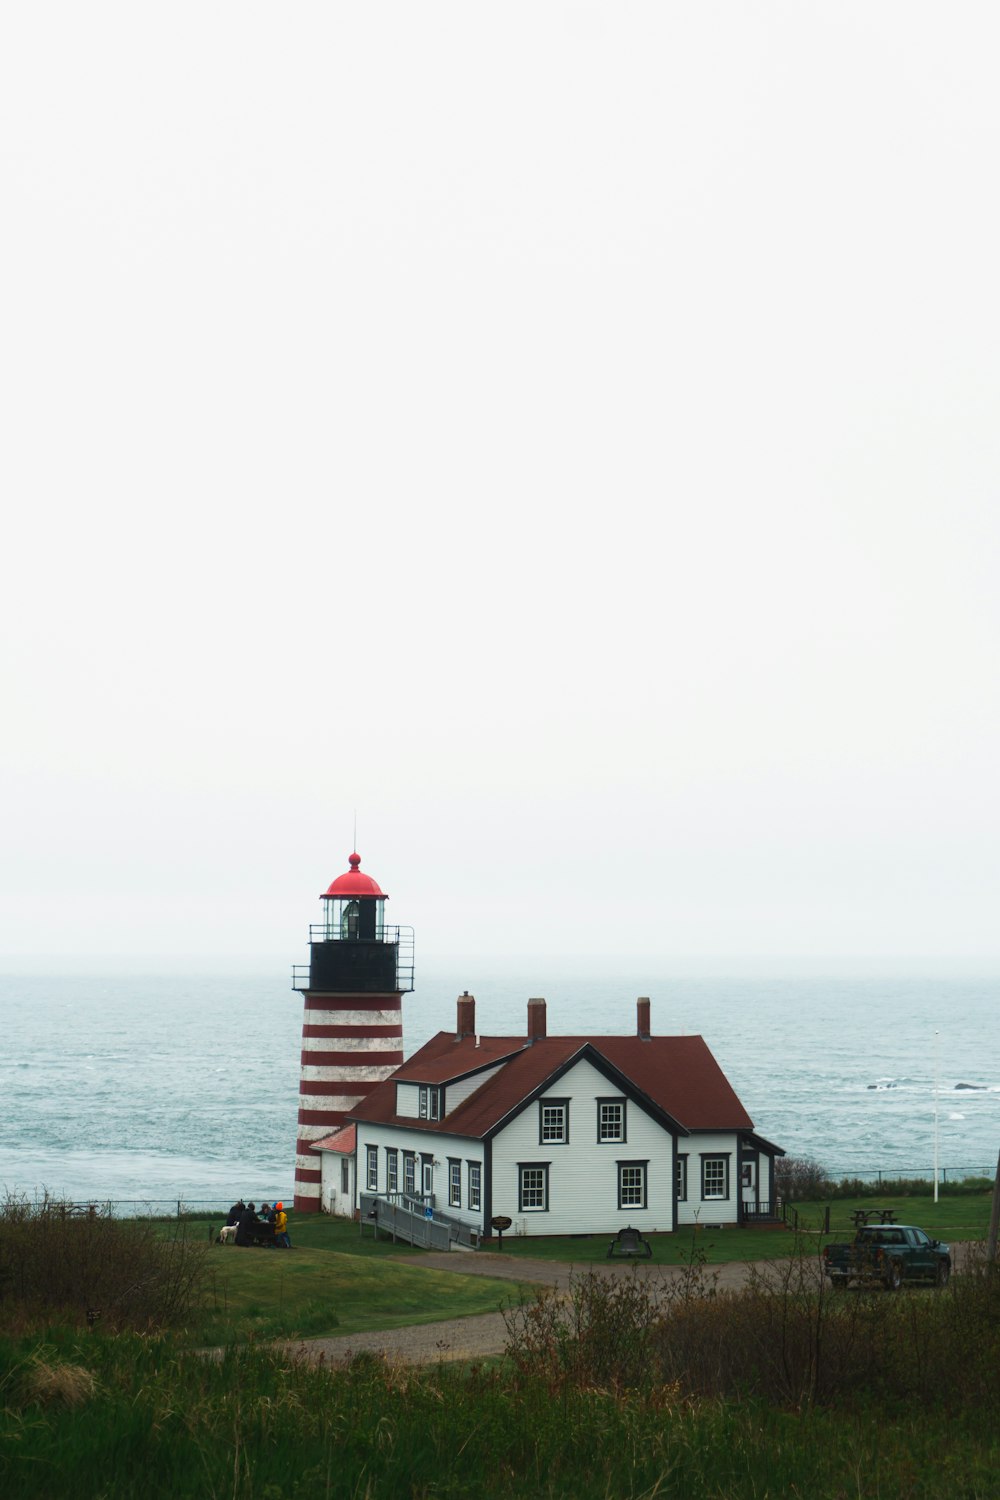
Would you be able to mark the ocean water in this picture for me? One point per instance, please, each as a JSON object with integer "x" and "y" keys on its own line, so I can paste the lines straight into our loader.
{"x": 160, "y": 1088}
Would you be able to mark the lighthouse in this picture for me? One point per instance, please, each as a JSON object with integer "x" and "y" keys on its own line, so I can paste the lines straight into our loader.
{"x": 352, "y": 1024}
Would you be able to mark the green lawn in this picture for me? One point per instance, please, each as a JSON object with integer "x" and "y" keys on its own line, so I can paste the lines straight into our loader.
{"x": 335, "y": 1281}
{"x": 310, "y": 1293}
{"x": 340, "y": 1279}
{"x": 310, "y": 1232}
{"x": 716, "y": 1245}
{"x": 962, "y": 1217}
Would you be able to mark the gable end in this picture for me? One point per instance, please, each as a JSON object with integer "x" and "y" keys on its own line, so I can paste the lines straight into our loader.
{"x": 622, "y": 1084}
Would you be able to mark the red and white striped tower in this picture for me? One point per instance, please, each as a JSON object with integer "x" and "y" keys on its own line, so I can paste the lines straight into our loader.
{"x": 352, "y": 1026}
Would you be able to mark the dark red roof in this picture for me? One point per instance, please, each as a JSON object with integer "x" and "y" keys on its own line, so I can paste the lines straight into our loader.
{"x": 342, "y": 1140}
{"x": 353, "y": 883}
{"x": 677, "y": 1075}
{"x": 426, "y": 1066}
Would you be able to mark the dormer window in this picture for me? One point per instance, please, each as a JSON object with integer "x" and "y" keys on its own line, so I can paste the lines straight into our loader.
{"x": 430, "y": 1101}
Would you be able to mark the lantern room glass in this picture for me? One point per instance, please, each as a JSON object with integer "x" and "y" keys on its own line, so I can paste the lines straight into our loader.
{"x": 344, "y": 918}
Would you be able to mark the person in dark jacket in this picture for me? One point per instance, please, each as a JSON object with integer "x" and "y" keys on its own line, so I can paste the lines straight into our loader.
{"x": 246, "y": 1229}
{"x": 235, "y": 1213}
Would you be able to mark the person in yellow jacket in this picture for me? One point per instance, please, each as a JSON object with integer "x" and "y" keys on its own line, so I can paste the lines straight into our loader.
{"x": 281, "y": 1228}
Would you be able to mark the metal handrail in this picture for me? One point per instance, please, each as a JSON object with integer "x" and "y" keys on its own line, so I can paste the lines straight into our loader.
{"x": 319, "y": 932}
{"x": 399, "y": 937}
{"x": 407, "y": 1218}
{"x": 762, "y": 1209}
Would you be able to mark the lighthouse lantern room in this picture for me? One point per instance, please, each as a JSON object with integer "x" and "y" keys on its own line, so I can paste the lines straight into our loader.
{"x": 352, "y": 1027}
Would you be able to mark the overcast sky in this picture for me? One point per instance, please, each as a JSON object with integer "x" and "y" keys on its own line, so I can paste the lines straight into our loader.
{"x": 563, "y": 436}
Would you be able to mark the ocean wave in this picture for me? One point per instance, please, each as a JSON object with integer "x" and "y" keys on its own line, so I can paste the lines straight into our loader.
{"x": 159, "y": 1044}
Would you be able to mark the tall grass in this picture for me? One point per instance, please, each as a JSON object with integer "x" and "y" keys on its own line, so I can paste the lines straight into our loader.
{"x": 151, "y": 1423}
{"x": 57, "y": 1265}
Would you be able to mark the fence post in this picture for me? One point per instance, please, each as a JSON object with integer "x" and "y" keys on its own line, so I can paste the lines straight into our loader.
{"x": 991, "y": 1241}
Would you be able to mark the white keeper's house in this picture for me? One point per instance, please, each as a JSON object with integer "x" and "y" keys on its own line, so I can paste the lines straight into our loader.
{"x": 558, "y": 1134}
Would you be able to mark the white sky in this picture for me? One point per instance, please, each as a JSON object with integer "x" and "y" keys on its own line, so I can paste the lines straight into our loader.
{"x": 564, "y": 434}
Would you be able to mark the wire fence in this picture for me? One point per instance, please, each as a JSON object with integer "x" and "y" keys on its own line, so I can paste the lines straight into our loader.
{"x": 152, "y": 1208}
{"x": 838, "y": 1171}
{"x": 180, "y": 1208}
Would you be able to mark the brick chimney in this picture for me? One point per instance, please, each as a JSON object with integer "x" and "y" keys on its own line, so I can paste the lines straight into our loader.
{"x": 536, "y": 1020}
{"x": 642, "y": 1017}
{"x": 465, "y": 1024}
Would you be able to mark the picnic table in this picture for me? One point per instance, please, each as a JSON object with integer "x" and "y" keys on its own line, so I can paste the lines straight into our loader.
{"x": 873, "y": 1216}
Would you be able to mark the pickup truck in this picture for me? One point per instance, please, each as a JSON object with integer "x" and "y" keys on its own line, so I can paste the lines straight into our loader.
{"x": 888, "y": 1254}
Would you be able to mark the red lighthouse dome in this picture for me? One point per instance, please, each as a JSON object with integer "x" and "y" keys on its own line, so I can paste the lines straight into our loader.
{"x": 353, "y": 884}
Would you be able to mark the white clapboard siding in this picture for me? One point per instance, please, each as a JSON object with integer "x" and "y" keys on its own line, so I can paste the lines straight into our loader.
{"x": 408, "y": 1100}
{"x": 699, "y": 1210}
{"x": 583, "y": 1175}
{"x": 420, "y": 1142}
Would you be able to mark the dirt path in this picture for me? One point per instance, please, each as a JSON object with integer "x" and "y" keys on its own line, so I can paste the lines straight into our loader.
{"x": 483, "y": 1335}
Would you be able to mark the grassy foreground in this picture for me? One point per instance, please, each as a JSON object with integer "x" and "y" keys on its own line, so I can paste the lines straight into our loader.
{"x": 779, "y": 1390}
{"x": 750, "y": 1396}
{"x": 141, "y": 1424}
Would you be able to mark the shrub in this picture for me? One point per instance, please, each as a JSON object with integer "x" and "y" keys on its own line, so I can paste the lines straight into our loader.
{"x": 597, "y": 1335}
{"x": 786, "y": 1338}
{"x": 783, "y": 1338}
{"x": 57, "y": 1264}
{"x": 601, "y": 1333}
{"x": 798, "y": 1178}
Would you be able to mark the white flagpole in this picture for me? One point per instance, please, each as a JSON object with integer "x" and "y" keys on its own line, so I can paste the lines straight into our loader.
{"x": 935, "y": 1117}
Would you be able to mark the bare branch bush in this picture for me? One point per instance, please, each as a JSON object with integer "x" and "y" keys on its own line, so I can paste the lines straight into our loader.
{"x": 596, "y": 1335}
{"x": 57, "y": 1263}
{"x": 799, "y": 1178}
